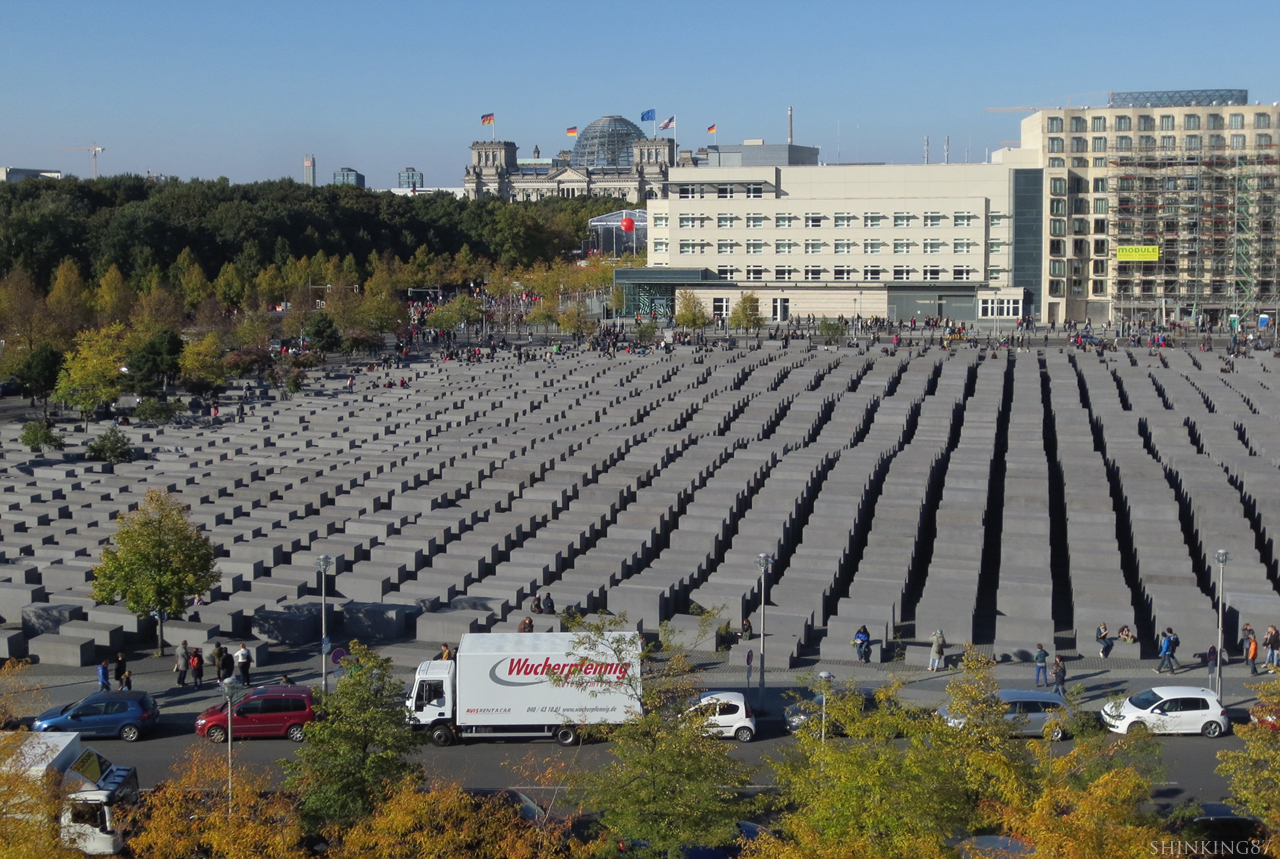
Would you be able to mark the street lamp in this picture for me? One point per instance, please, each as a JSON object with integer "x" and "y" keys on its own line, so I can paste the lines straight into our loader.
{"x": 229, "y": 687}
{"x": 1222, "y": 557}
{"x": 764, "y": 562}
{"x": 322, "y": 564}
{"x": 826, "y": 677}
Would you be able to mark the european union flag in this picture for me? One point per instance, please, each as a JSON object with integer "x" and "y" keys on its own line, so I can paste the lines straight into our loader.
{"x": 649, "y": 115}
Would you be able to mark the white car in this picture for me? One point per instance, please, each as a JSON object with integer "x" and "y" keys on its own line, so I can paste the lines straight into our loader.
{"x": 728, "y": 715}
{"x": 1169, "y": 710}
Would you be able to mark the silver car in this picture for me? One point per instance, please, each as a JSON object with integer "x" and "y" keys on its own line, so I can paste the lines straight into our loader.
{"x": 1030, "y": 709}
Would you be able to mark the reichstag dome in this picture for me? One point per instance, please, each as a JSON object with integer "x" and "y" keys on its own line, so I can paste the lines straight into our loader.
{"x": 605, "y": 143}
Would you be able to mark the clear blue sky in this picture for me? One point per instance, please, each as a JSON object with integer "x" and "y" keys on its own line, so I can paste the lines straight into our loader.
{"x": 245, "y": 89}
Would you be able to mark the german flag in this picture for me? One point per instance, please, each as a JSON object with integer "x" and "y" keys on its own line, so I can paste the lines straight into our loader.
{"x": 572, "y": 132}
{"x": 711, "y": 130}
{"x": 486, "y": 119}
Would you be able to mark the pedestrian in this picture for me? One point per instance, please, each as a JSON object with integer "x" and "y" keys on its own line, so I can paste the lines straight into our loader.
{"x": 536, "y": 608}
{"x": 1059, "y": 676}
{"x": 181, "y": 663}
{"x": 1251, "y": 653}
{"x": 548, "y": 605}
{"x": 526, "y": 625}
{"x": 1174, "y": 641}
{"x": 243, "y": 660}
{"x": 1164, "y": 655}
{"x": 445, "y": 653}
{"x": 126, "y": 682}
{"x": 747, "y": 630}
{"x": 197, "y": 667}
{"x": 1042, "y": 665}
{"x": 226, "y": 665}
{"x": 937, "y": 651}
{"x": 286, "y": 680}
{"x": 1271, "y": 641}
{"x": 1211, "y": 658}
{"x": 121, "y": 666}
{"x": 862, "y": 644}
{"x": 1104, "y": 642}
{"x": 104, "y": 677}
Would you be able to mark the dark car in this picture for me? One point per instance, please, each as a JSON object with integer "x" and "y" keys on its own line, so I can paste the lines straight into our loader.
{"x": 126, "y": 715}
{"x": 11, "y": 388}
{"x": 267, "y": 711}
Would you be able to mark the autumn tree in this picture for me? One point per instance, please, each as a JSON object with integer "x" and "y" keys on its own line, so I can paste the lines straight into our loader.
{"x": 70, "y": 301}
{"x": 270, "y": 285}
{"x": 155, "y": 311}
{"x": 229, "y": 287}
{"x": 25, "y": 317}
{"x": 355, "y": 753}
{"x": 691, "y": 313}
{"x": 91, "y": 375}
{"x": 192, "y": 815}
{"x": 31, "y": 802}
{"x": 544, "y": 314}
{"x": 201, "y": 363}
{"x": 577, "y": 320}
{"x": 1254, "y": 771}
{"x": 745, "y": 315}
{"x": 447, "y": 823}
{"x": 114, "y": 298}
{"x": 158, "y": 561}
{"x": 195, "y": 288}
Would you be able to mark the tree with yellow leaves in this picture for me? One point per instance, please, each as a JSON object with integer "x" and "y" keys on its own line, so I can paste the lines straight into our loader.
{"x": 201, "y": 362}
{"x": 114, "y": 298}
{"x": 70, "y": 301}
{"x": 1254, "y": 771}
{"x": 25, "y": 317}
{"x": 192, "y": 814}
{"x": 91, "y": 374}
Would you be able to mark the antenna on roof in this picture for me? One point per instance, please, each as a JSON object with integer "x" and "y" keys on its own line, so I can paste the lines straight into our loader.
{"x": 926, "y": 149}
{"x": 946, "y": 150}
{"x": 790, "y": 127}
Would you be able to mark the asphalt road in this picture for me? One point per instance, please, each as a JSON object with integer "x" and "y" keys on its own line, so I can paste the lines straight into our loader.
{"x": 1189, "y": 761}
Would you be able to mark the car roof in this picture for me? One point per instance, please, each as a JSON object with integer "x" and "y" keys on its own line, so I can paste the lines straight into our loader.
{"x": 295, "y": 691}
{"x": 728, "y": 697}
{"x": 127, "y": 695}
{"x": 1182, "y": 691}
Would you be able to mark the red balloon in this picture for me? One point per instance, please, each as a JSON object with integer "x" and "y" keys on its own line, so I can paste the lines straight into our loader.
{"x": 628, "y": 225}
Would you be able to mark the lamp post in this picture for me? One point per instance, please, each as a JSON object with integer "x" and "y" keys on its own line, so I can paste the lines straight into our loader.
{"x": 826, "y": 677}
{"x": 764, "y": 562}
{"x": 322, "y": 564}
{"x": 1222, "y": 557}
{"x": 229, "y": 687}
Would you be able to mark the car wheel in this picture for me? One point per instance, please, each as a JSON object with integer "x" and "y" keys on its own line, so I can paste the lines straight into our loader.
{"x": 441, "y": 736}
{"x": 217, "y": 734}
{"x": 296, "y": 733}
{"x": 130, "y": 733}
{"x": 1212, "y": 730}
{"x": 744, "y": 734}
{"x": 1137, "y": 727}
{"x": 566, "y": 735}
{"x": 1056, "y": 734}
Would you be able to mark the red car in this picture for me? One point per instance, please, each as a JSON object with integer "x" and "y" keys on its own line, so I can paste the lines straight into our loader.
{"x": 267, "y": 711}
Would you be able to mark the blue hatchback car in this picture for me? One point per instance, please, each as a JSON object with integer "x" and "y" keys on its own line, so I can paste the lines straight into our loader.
{"x": 126, "y": 715}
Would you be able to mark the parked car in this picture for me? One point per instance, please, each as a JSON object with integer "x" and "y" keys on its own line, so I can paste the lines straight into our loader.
{"x": 530, "y": 811}
{"x": 799, "y": 713}
{"x": 127, "y": 715}
{"x": 11, "y": 388}
{"x": 1029, "y": 710}
{"x": 266, "y": 711}
{"x": 728, "y": 715}
{"x": 1169, "y": 710}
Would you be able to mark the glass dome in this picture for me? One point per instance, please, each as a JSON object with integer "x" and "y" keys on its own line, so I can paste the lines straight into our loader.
{"x": 605, "y": 143}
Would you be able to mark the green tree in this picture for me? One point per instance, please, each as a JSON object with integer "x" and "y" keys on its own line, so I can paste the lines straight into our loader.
{"x": 691, "y": 313}
{"x": 114, "y": 298}
{"x": 355, "y": 753}
{"x": 195, "y": 288}
{"x": 617, "y": 299}
{"x": 155, "y": 363}
{"x": 39, "y": 373}
{"x": 112, "y": 447}
{"x": 40, "y": 438}
{"x": 158, "y": 562}
{"x": 745, "y": 315}
{"x": 91, "y": 375}
{"x": 229, "y": 287}
{"x": 577, "y": 320}
{"x": 322, "y": 333}
{"x": 545, "y": 314}
{"x": 153, "y": 410}
{"x": 201, "y": 362}
{"x": 70, "y": 301}
{"x": 646, "y": 333}
{"x": 25, "y": 317}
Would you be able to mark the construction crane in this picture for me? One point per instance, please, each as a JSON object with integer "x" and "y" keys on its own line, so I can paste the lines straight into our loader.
{"x": 92, "y": 149}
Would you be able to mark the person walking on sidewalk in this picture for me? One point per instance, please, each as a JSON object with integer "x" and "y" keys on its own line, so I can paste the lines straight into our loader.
{"x": 937, "y": 651}
{"x": 1042, "y": 665}
{"x": 181, "y": 664}
{"x": 1059, "y": 676}
{"x": 1271, "y": 641}
{"x": 104, "y": 677}
{"x": 1251, "y": 653}
{"x": 243, "y": 660}
{"x": 122, "y": 665}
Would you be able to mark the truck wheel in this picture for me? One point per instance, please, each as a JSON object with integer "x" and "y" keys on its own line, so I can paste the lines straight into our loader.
{"x": 441, "y": 736}
{"x": 130, "y": 733}
{"x": 296, "y": 733}
{"x": 743, "y": 734}
{"x": 566, "y": 735}
{"x": 217, "y": 734}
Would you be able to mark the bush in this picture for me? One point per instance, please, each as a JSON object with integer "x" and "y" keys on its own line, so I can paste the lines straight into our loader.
{"x": 112, "y": 447}
{"x": 40, "y": 438}
{"x": 152, "y": 409}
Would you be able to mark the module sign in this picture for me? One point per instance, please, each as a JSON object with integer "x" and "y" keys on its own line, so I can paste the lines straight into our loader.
{"x": 1138, "y": 253}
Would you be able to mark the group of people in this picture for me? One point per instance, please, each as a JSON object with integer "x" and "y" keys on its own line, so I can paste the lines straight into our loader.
{"x": 124, "y": 677}
{"x": 225, "y": 664}
{"x": 1059, "y": 670}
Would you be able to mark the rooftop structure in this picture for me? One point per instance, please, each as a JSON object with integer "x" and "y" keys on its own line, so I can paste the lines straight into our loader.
{"x": 1180, "y": 98}
{"x": 17, "y": 174}
{"x": 606, "y": 143}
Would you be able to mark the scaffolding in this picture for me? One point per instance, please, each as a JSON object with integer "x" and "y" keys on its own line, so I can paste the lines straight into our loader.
{"x": 1211, "y": 213}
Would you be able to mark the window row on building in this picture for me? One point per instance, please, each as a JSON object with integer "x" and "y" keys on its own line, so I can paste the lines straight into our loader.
{"x": 818, "y": 246}
{"x": 842, "y": 273}
{"x": 1163, "y": 142}
{"x": 1164, "y": 121}
{"x": 814, "y": 220}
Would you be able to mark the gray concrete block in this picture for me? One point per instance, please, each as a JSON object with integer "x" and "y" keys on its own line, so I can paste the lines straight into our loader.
{"x": 108, "y": 635}
{"x": 42, "y": 618}
{"x": 54, "y": 649}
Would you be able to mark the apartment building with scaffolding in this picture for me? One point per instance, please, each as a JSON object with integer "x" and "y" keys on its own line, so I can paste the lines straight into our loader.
{"x": 1160, "y": 205}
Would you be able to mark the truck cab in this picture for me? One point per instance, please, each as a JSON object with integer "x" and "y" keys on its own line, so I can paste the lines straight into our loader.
{"x": 431, "y": 700}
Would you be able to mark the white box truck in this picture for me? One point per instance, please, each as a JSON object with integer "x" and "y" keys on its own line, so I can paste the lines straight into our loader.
{"x": 500, "y": 686}
{"x": 95, "y": 788}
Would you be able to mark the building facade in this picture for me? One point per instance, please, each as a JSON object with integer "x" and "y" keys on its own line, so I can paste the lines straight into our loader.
{"x": 309, "y": 170}
{"x": 411, "y": 177}
{"x": 17, "y": 174}
{"x": 872, "y": 240}
{"x": 1160, "y": 205}
{"x": 347, "y": 176}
